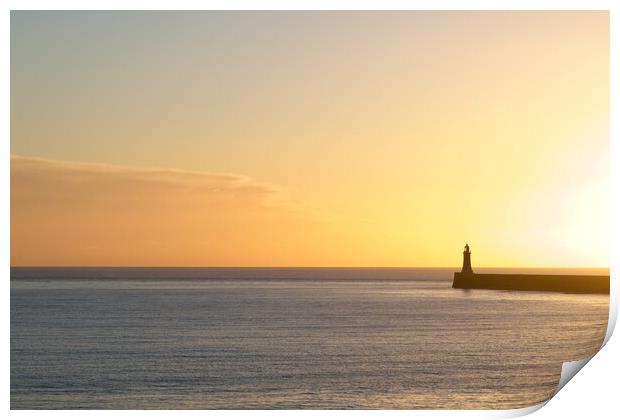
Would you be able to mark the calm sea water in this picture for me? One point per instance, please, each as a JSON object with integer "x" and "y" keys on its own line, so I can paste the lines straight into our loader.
{"x": 287, "y": 338}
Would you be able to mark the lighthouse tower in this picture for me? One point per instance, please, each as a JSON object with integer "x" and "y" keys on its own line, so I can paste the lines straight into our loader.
{"x": 467, "y": 261}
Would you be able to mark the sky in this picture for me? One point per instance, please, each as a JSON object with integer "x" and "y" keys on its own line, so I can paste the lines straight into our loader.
{"x": 309, "y": 138}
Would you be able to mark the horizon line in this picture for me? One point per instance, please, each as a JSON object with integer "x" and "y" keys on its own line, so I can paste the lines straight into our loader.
{"x": 293, "y": 266}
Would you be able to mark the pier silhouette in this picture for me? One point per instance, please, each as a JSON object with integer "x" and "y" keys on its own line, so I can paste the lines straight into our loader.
{"x": 467, "y": 279}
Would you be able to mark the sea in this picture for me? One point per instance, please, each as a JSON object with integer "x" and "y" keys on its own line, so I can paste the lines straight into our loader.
{"x": 289, "y": 338}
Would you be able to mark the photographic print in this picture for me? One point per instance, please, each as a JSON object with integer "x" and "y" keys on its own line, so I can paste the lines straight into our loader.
{"x": 306, "y": 209}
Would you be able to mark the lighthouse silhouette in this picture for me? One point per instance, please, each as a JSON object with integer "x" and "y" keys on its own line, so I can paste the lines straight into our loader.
{"x": 467, "y": 261}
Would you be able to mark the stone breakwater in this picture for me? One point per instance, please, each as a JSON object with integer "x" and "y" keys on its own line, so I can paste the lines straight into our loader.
{"x": 533, "y": 282}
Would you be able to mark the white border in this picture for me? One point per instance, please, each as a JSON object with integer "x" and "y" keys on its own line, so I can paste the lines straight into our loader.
{"x": 595, "y": 391}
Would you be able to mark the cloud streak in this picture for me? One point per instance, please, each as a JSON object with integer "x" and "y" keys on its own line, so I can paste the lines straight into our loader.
{"x": 68, "y": 213}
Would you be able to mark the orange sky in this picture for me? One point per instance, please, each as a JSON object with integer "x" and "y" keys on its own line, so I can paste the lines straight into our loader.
{"x": 309, "y": 139}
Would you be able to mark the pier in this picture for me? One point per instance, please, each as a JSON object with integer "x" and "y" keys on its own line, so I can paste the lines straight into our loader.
{"x": 467, "y": 279}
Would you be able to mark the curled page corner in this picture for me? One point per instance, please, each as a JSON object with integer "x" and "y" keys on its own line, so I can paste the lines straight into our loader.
{"x": 570, "y": 369}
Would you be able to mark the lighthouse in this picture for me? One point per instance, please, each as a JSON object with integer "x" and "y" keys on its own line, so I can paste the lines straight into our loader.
{"x": 467, "y": 261}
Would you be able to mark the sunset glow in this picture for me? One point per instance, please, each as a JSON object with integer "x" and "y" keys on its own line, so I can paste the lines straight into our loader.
{"x": 310, "y": 139}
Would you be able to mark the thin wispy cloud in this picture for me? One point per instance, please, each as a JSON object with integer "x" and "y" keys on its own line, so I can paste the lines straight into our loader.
{"x": 69, "y": 211}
